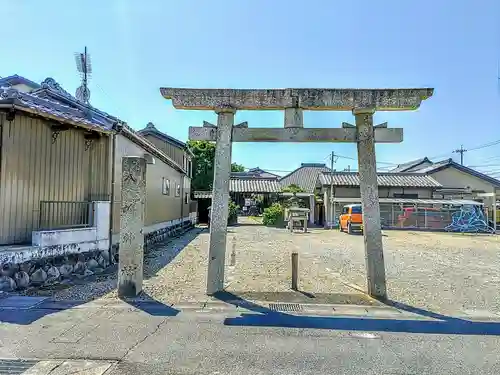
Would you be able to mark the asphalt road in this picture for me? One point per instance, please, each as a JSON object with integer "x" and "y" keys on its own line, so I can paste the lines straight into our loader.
{"x": 208, "y": 347}
{"x": 238, "y": 341}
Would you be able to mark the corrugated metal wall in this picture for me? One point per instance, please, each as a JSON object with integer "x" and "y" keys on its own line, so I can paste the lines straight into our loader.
{"x": 175, "y": 153}
{"x": 34, "y": 169}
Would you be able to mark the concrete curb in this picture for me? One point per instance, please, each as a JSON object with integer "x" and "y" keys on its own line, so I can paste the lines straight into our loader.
{"x": 326, "y": 310}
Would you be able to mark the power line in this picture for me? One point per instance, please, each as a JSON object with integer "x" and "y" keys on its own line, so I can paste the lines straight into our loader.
{"x": 483, "y": 165}
{"x": 494, "y": 143}
{"x": 461, "y": 150}
{"x": 351, "y": 158}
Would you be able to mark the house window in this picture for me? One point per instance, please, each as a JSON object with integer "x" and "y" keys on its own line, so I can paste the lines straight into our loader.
{"x": 178, "y": 190}
{"x": 186, "y": 198}
{"x": 165, "y": 187}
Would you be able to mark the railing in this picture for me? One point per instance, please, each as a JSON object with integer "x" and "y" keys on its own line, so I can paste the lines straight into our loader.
{"x": 65, "y": 214}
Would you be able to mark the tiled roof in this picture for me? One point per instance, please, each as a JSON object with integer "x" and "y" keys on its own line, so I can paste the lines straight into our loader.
{"x": 254, "y": 185}
{"x": 263, "y": 173}
{"x": 150, "y": 129}
{"x": 246, "y": 185}
{"x": 305, "y": 177}
{"x": 435, "y": 166}
{"x": 411, "y": 164}
{"x": 202, "y": 194}
{"x": 252, "y": 173}
{"x": 17, "y": 80}
{"x": 383, "y": 179}
{"x": 450, "y": 163}
{"x": 51, "y": 101}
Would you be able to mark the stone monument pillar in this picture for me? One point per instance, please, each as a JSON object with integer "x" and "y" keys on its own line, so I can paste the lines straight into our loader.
{"x": 220, "y": 201}
{"x": 133, "y": 201}
{"x": 374, "y": 254}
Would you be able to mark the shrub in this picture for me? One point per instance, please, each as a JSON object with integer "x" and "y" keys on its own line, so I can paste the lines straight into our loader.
{"x": 232, "y": 217}
{"x": 273, "y": 216}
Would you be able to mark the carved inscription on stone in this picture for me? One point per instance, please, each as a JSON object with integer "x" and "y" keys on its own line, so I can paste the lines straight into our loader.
{"x": 131, "y": 226}
{"x": 308, "y": 99}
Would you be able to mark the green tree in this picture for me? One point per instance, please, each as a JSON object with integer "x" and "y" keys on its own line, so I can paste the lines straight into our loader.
{"x": 235, "y": 167}
{"x": 203, "y": 164}
{"x": 292, "y": 189}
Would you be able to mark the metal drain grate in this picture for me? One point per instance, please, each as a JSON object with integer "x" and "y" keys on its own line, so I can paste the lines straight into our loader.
{"x": 15, "y": 366}
{"x": 285, "y": 307}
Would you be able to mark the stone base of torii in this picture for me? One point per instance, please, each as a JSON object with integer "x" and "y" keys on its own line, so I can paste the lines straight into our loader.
{"x": 363, "y": 104}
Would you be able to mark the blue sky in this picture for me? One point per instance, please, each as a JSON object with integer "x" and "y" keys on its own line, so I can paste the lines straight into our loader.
{"x": 137, "y": 47}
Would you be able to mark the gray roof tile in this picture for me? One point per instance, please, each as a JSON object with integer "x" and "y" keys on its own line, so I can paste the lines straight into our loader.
{"x": 254, "y": 185}
{"x": 410, "y": 164}
{"x": 383, "y": 179}
{"x": 246, "y": 185}
{"x": 151, "y": 129}
{"x": 50, "y": 100}
{"x": 305, "y": 177}
{"x": 202, "y": 194}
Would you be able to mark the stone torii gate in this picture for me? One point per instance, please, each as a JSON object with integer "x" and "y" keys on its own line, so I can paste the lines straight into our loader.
{"x": 362, "y": 102}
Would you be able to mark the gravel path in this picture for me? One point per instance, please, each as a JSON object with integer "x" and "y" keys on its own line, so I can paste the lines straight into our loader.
{"x": 174, "y": 272}
{"x": 263, "y": 266}
{"x": 441, "y": 272}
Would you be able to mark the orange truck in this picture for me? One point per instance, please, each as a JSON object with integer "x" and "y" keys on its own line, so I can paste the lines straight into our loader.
{"x": 351, "y": 219}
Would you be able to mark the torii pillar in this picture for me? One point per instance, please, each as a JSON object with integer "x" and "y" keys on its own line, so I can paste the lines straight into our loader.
{"x": 362, "y": 102}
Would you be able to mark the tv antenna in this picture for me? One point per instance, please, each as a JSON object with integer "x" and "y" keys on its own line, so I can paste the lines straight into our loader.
{"x": 84, "y": 67}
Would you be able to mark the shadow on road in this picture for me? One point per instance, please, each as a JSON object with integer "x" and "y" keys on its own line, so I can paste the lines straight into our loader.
{"x": 151, "y": 306}
{"x": 265, "y": 317}
{"x": 29, "y": 314}
{"x": 25, "y": 310}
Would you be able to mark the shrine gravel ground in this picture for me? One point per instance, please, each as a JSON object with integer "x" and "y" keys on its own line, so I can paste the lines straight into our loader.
{"x": 447, "y": 273}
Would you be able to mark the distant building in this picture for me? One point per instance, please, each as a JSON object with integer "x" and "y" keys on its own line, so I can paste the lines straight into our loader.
{"x": 458, "y": 181}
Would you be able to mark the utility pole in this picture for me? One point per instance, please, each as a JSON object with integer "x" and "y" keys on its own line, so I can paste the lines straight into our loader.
{"x": 332, "y": 205}
{"x": 461, "y": 151}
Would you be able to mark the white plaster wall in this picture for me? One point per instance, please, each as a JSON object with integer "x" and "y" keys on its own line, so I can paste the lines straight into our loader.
{"x": 453, "y": 178}
{"x": 51, "y": 243}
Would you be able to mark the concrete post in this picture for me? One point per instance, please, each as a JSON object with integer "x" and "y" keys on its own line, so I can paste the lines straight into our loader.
{"x": 495, "y": 212}
{"x": 326, "y": 205}
{"x": 102, "y": 211}
{"x": 295, "y": 271}
{"x": 233, "y": 253}
{"x": 131, "y": 251}
{"x": 220, "y": 202}
{"x": 374, "y": 254}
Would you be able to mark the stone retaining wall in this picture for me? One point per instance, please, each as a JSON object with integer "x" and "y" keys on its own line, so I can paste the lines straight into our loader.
{"x": 51, "y": 270}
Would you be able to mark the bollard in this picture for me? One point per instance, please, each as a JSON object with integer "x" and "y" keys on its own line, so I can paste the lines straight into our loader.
{"x": 233, "y": 253}
{"x": 295, "y": 271}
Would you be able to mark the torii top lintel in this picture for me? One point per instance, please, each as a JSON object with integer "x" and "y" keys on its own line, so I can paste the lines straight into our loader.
{"x": 307, "y": 99}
